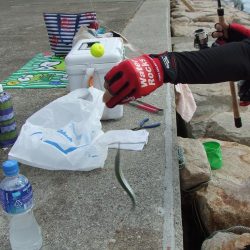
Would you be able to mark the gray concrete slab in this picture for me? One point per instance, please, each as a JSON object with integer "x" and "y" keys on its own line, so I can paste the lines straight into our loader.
{"x": 89, "y": 210}
{"x": 149, "y": 30}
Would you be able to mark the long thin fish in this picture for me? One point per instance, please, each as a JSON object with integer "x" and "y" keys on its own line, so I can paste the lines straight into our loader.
{"x": 122, "y": 180}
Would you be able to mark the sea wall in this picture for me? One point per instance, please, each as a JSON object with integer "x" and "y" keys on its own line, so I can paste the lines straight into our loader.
{"x": 222, "y": 200}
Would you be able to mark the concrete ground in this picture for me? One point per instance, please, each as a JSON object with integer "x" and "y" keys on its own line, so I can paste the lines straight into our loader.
{"x": 89, "y": 210}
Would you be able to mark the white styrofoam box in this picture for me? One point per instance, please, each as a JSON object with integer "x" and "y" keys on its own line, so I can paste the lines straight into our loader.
{"x": 80, "y": 64}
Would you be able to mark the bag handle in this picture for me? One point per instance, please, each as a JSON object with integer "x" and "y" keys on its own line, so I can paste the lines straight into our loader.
{"x": 59, "y": 27}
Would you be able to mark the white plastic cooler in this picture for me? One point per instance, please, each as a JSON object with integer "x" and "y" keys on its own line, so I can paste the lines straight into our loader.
{"x": 80, "y": 65}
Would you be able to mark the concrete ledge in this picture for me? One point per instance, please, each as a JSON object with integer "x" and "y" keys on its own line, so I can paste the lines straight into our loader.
{"x": 150, "y": 31}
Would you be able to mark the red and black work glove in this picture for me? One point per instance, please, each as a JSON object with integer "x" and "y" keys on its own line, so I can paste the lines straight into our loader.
{"x": 233, "y": 33}
{"x": 136, "y": 77}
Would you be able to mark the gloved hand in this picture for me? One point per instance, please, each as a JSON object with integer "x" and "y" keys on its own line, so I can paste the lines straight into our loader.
{"x": 233, "y": 32}
{"x": 221, "y": 33}
{"x": 134, "y": 78}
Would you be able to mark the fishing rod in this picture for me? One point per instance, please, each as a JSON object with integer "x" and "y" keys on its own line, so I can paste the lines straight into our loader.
{"x": 201, "y": 42}
{"x": 235, "y": 105}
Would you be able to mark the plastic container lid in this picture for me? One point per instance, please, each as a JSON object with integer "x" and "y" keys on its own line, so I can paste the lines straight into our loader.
{"x": 10, "y": 168}
{"x": 80, "y": 53}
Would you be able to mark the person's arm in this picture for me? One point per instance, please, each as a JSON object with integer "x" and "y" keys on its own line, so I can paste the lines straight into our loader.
{"x": 140, "y": 76}
{"x": 230, "y": 62}
{"x": 238, "y": 32}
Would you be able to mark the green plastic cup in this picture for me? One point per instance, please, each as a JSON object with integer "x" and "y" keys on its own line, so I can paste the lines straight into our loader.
{"x": 214, "y": 155}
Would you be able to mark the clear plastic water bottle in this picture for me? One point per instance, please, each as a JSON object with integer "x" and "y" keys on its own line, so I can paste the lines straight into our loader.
{"x": 17, "y": 201}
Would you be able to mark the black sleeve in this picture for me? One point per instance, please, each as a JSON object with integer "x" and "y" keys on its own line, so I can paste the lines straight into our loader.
{"x": 229, "y": 62}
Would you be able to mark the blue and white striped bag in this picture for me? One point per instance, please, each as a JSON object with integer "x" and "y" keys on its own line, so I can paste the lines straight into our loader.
{"x": 62, "y": 28}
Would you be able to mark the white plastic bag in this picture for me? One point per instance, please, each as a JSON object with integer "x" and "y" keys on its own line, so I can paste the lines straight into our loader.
{"x": 63, "y": 135}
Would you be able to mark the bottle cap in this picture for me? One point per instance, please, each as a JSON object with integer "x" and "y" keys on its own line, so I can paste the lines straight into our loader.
{"x": 10, "y": 168}
{"x": 1, "y": 88}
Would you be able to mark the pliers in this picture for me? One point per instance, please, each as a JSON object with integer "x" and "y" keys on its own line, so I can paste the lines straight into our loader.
{"x": 143, "y": 126}
{"x": 147, "y": 107}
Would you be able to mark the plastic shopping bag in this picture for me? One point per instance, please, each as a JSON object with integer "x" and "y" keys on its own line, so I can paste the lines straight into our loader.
{"x": 64, "y": 134}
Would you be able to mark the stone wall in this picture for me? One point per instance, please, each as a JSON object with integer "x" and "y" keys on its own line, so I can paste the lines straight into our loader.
{"x": 224, "y": 202}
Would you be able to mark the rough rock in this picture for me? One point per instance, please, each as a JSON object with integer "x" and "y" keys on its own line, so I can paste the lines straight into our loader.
{"x": 197, "y": 168}
{"x": 227, "y": 241}
{"x": 221, "y": 126}
{"x": 225, "y": 202}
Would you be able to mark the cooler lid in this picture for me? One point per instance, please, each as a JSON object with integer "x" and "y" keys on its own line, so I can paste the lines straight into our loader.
{"x": 80, "y": 53}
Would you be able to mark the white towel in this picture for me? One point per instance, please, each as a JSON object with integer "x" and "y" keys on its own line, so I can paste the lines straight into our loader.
{"x": 185, "y": 103}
